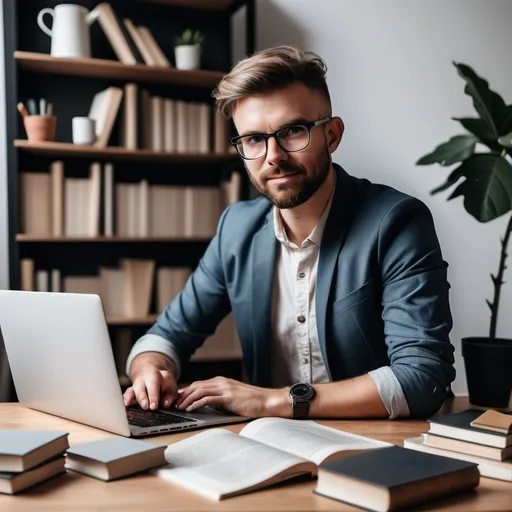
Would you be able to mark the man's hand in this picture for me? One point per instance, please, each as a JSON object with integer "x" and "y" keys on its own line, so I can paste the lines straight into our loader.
{"x": 153, "y": 381}
{"x": 237, "y": 397}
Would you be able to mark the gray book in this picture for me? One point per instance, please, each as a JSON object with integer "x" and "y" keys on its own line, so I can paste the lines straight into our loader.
{"x": 24, "y": 449}
{"x": 11, "y": 483}
{"x": 114, "y": 457}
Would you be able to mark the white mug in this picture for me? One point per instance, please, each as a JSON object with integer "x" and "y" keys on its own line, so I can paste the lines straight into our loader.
{"x": 70, "y": 30}
{"x": 84, "y": 129}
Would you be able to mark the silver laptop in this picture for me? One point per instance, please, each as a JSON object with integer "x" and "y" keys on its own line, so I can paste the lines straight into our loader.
{"x": 62, "y": 363}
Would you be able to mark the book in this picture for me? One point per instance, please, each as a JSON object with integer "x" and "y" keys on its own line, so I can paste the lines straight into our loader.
{"x": 104, "y": 109}
{"x": 487, "y": 467}
{"x": 494, "y": 421}
{"x": 115, "y": 457}
{"x": 21, "y": 450}
{"x": 219, "y": 464}
{"x": 12, "y": 483}
{"x": 394, "y": 478}
{"x": 458, "y": 426}
{"x": 454, "y": 445}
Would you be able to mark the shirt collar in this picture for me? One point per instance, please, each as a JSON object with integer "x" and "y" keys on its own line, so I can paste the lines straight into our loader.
{"x": 318, "y": 231}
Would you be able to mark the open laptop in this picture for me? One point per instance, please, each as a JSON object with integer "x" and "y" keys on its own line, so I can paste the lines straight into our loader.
{"x": 62, "y": 363}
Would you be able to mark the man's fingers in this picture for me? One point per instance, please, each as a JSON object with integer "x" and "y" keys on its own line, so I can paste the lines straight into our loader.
{"x": 153, "y": 384}
{"x": 129, "y": 396}
{"x": 219, "y": 401}
{"x": 198, "y": 394}
{"x": 141, "y": 395}
{"x": 168, "y": 391}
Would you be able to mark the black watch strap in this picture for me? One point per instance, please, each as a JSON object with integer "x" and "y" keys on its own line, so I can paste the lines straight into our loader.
{"x": 300, "y": 409}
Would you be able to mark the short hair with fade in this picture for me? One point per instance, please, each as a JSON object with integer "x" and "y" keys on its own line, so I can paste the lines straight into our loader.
{"x": 269, "y": 70}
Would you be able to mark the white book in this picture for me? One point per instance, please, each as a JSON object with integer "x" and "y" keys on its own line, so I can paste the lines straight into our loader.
{"x": 218, "y": 463}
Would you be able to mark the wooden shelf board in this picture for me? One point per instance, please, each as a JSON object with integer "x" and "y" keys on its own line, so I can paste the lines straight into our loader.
{"x": 119, "y": 153}
{"x": 210, "y": 5}
{"x": 105, "y": 68}
{"x": 117, "y": 320}
{"x": 106, "y": 239}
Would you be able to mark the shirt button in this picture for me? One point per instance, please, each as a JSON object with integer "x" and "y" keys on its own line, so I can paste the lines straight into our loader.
{"x": 302, "y": 274}
{"x": 301, "y": 319}
{"x": 304, "y": 360}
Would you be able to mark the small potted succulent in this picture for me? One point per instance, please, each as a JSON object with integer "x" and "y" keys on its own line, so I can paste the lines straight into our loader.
{"x": 187, "y": 50}
{"x": 484, "y": 179}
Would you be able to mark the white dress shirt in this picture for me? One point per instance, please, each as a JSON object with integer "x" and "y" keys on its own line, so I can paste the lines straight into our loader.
{"x": 295, "y": 350}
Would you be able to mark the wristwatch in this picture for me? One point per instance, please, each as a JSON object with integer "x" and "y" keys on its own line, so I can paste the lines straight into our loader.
{"x": 301, "y": 395}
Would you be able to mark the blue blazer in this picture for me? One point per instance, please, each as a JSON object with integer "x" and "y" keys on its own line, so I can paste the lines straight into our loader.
{"x": 381, "y": 291}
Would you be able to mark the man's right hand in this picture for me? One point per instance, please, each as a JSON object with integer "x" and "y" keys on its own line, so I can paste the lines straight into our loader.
{"x": 154, "y": 383}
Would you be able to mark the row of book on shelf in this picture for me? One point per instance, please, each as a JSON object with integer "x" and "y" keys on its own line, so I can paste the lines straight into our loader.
{"x": 54, "y": 205}
{"x": 132, "y": 43}
{"x": 371, "y": 474}
{"x": 157, "y": 123}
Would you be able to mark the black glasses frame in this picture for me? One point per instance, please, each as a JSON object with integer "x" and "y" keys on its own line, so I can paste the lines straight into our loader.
{"x": 266, "y": 136}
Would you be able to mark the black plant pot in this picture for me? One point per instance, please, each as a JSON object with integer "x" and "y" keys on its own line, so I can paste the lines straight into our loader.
{"x": 488, "y": 371}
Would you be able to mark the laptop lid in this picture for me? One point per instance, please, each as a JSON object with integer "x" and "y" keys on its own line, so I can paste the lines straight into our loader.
{"x": 61, "y": 357}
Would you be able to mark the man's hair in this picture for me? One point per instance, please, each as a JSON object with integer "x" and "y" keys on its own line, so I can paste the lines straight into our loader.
{"x": 270, "y": 70}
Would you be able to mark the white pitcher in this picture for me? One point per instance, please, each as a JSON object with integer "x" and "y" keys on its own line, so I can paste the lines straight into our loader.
{"x": 70, "y": 30}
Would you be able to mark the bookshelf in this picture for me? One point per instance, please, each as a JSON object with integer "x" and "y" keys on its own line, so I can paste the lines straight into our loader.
{"x": 67, "y": 149}
{"x": 71, "y": 84}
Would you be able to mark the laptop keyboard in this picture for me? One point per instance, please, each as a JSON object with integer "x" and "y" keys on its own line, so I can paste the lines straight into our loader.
{"x": 142, "y": 418}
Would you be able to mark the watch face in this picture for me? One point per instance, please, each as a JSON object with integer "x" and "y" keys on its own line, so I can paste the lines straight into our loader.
{"x": 301, "y": 390}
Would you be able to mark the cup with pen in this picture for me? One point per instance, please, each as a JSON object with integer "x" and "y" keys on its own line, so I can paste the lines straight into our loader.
{"x": 39, "y": 123}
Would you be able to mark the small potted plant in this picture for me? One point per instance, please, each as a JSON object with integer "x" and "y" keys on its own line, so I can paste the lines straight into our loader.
{"x": 188, "y": 50}
{"x": 487, "y": 190}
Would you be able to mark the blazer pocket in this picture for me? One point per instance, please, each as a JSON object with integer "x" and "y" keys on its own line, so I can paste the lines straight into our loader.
{"x": 353, "y": 298}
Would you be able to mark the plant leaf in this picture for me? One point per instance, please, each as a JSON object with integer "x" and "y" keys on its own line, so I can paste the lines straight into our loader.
{"x": 456, "y": 149}
{"x": 481, "y": 129}
{"x": 506, "y": 140}
{"x": 454, "y": 176}
{"x": 489, "y": 105}
{"x": 487, "y": 189}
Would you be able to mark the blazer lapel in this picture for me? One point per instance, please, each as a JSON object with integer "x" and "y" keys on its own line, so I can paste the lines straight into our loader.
{"x": 263, "y": 264}
{"x": 333, "y": 239}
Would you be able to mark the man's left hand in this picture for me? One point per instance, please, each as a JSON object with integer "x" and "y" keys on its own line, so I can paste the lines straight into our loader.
{"x": 237, "y": 397}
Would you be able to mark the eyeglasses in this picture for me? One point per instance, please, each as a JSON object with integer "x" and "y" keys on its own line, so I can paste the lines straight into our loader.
{"x": 291, "y": 138}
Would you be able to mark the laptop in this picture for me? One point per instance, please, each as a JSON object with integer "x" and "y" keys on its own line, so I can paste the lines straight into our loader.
{"x": 62, "y": 363}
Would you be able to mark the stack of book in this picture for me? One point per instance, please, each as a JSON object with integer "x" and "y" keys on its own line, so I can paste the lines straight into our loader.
{"x": 469, "y": 436}
{"x": 28, "y": 457}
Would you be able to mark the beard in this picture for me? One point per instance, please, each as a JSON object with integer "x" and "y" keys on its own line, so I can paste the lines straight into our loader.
{"x": 292, "y": 194}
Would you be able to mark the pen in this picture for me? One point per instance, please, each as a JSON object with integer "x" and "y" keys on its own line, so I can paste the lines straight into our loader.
{"x": 31, "y": 106}
{"x": 42, "y": 107}
{"x": 50, "y": 109}
{"x": 22, "y": 110}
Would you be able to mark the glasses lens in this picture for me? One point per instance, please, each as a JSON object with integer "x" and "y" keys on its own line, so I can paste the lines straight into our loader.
{"x": 251, "y": 146}
{"x": 293, "y": 138}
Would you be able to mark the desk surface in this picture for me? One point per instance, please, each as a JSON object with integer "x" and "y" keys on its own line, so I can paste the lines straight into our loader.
{"x": 148, "y": 492}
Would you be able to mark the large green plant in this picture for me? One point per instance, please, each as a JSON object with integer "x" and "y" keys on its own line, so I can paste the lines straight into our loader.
{"x": 486, "y": 176}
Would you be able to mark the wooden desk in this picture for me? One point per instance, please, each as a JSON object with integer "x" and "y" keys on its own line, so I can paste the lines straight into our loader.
{"x": 72, "y": 491}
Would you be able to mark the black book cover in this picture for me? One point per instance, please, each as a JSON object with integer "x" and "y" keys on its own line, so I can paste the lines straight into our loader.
{"x": 463, "y": 420}
{"x": 395, "y": 466}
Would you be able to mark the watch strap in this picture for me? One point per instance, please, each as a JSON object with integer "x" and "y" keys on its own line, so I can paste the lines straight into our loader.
{"x": 300, "y": 409}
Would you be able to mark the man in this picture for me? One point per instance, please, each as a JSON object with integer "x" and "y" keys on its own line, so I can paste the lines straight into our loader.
{"x": 337, "y": 285}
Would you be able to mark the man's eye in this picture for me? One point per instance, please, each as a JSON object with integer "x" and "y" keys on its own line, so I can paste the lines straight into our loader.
{"x": 255, "y": 139}
{"x": 292, "y": 131}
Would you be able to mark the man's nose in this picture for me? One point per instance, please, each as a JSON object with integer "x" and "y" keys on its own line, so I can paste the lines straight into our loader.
{"x": 275, "y": 153}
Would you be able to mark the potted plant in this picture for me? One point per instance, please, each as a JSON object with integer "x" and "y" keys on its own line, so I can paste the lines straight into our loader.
{"x": 487, "y": 189}
{"x": 187, "y": 50}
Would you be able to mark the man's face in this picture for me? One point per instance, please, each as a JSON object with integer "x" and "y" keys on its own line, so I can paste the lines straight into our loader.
{"x": 289, "y": 179}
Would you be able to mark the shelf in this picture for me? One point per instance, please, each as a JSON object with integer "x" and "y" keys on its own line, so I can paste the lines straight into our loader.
{"x": 104, "y": 68}
{"x": 68, "y": 149}
{"x": 210, "y": 5}
{"x": 117, "y": 320}
{"x": 22, "y": 238}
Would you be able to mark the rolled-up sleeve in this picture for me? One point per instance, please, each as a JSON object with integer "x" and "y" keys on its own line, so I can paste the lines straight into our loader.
{"x": 415, "y": 306}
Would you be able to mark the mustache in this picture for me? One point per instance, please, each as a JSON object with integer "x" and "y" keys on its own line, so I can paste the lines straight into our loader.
{"x": 284, "y": 170}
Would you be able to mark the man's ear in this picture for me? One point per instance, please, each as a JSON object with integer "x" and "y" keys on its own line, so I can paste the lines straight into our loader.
{"x": 335, "y": 131}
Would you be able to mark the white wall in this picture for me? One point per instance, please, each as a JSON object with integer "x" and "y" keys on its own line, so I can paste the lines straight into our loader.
{"x": 4, "y": 252}
{"x": 392, "y": 81}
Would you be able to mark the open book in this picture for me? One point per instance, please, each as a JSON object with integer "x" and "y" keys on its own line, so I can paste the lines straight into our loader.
{"x": 219, "y": 464}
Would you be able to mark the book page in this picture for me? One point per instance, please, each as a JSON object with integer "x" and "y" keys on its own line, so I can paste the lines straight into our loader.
{"x": 217, "y": 463}
{"x": 307, "y": 439}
